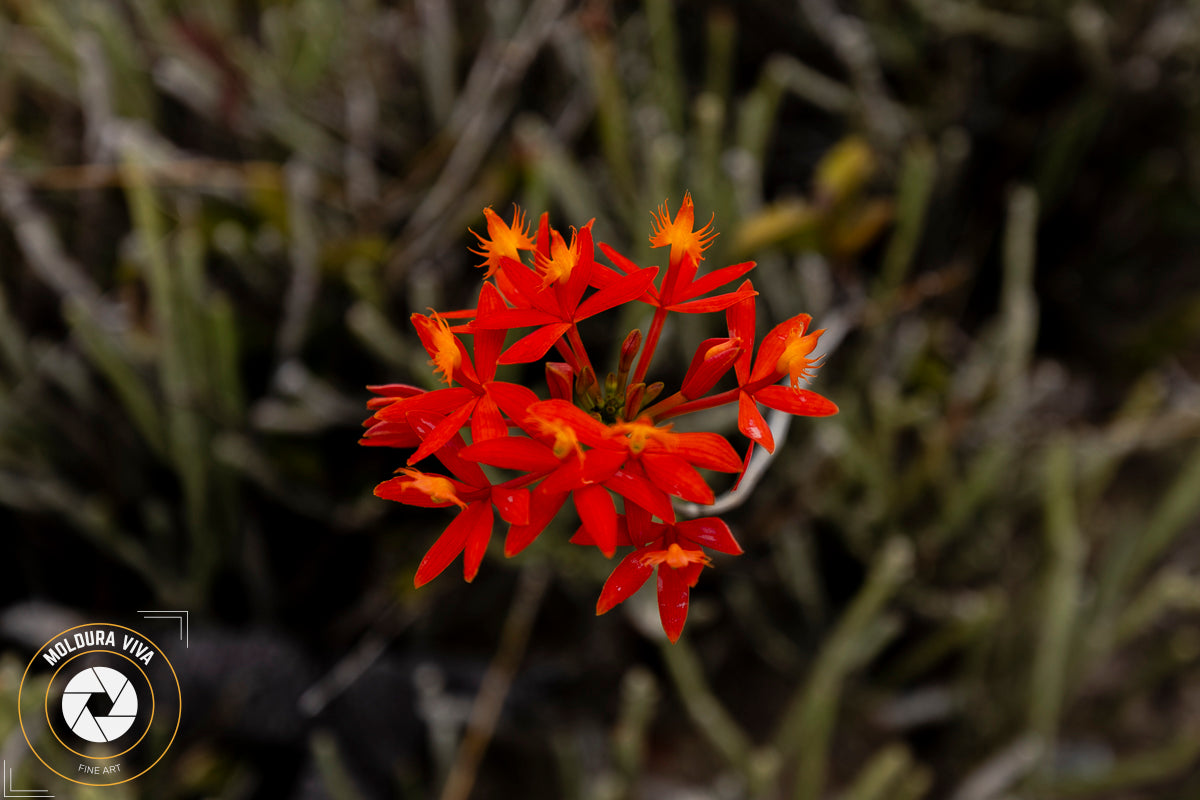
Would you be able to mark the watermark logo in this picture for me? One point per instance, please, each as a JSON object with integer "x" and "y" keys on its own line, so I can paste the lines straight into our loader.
{"x": 111, "y": 704}
{"x": 78, "y": 708}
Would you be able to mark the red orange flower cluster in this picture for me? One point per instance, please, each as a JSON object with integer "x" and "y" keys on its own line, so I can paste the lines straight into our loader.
{"x": 603, "y": 443}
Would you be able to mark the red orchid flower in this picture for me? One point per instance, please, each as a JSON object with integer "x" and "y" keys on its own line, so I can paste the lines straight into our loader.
{"x": 601, "y": 441}
{"x": 784, "y": 351}
{"x": 554, "y": 298}
{"x": 554, "y": 455}
{"x": 393, "y": 433}
{"x": 681, "y": 291}
{"x": 502, "y": 241}
{"x": 480, "y": 400}
{"x": 469, "y": 489}
{"x": 676, "y": 551}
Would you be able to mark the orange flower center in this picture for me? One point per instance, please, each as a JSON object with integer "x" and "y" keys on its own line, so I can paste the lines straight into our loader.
{"x": 446, "y": 355}
{"x": 505, "y": 241}
{"x": 557, "y": 268}
{"x": 641, "y": 432}
{"x": 678, "y": 233}
{"x": 675, "y": 557}
{"x": 565, "y": 439}
{"x": 435, "y": 487}
{"x": 795, "y": 359}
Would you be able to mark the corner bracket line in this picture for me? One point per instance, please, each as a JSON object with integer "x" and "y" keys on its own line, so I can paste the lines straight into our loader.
{"x": 9, "y": 791}
{"x": 185, "y": 633}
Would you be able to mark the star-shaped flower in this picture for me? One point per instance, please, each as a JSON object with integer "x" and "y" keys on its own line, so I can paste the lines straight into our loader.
{"x": 675, "y": 551}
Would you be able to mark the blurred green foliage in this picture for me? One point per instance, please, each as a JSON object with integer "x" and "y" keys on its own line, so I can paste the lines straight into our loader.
{"x": 980, "y": 580}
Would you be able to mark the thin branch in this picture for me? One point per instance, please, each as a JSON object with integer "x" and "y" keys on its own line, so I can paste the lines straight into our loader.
{"x": 493, "y": 691}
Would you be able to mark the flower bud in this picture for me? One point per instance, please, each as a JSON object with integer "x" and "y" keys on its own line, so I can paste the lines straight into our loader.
{"x": 559, "y": 378}
{"x": 629, "y": 351}
{"x": 712, "y": 360}
{"x": 634, "y": 395}
{"x": 587, "y": 389}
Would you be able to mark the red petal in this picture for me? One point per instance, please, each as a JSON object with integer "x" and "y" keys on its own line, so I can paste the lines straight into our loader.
{"x": 390, "y": 434}
{"x": 508, "y": 318}
{"x": 543, "y": 235}
{"x": 452, "y": 541}
{"x": 604, "y": 277}
{"x": 512, "y": 398}
{"x": 801, "y": 402}
{"x": 621, "y": 262}
{"x": 740, "y": 319}
{"x": 679, "y": 277}
{"x": 582, "y": 536}
{"x": 397, "y": 489}
{"x": 677, "y": 477}
{"x": 710, "y": 532}
{"x": 487, "y": 422}
{"x": 570, "y": 294}
{"x": 597, "y": 466}
{"x": 508, "y": 290}
{"x": 424, "y": 422}
{"x": 527, "y": 285}
{"x": 691, "y": 573}
{"x": 488, "y": 344}
{"x": 752, "y": 424}
{"x": 637, "y": 522}
{"x": 626, "y": 578}
{"x": 543, "y": 506}
{"x": 706, "y": 305}
{"x": 560, "y": 380}
{"x": 643, "y": 492}
{"x": 438, "y": 400}
{"x": 478, "y": 538}
{"x": 706, "y": 369}
{"x": 534, "y": 345}
{"x": 513, "y": 504}
{"x": 621, "y": 291}
{"x": 599, "y": 514}
{"x": 717, "y": 278}
{"x": 394, "y": 390}
{"x": 707, "y": 450}
{"x": 672, "y": 601}
{"x": 512, "y": 452}
{"x": 433, "y": 439}
{"x": 766, "y": 366}
{"x": 745, "y": 466}
{"x": 588, "y": 429}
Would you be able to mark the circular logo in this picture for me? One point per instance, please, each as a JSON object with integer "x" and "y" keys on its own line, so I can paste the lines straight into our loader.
{"x": 99, "y": 682}
{"x": 111, "y": 704}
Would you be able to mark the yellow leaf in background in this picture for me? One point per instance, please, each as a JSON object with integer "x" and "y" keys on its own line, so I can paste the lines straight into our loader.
{"x": 775, "y": 224}
{"x": 843, "y": 170}
{"x": 853, "y": 231}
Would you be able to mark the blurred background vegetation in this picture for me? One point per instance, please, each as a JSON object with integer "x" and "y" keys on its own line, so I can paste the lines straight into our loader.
{"x": 981, "y": 580}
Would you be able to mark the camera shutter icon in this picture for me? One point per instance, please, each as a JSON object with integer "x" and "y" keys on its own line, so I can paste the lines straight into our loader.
{"x": 103, "y": 681}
